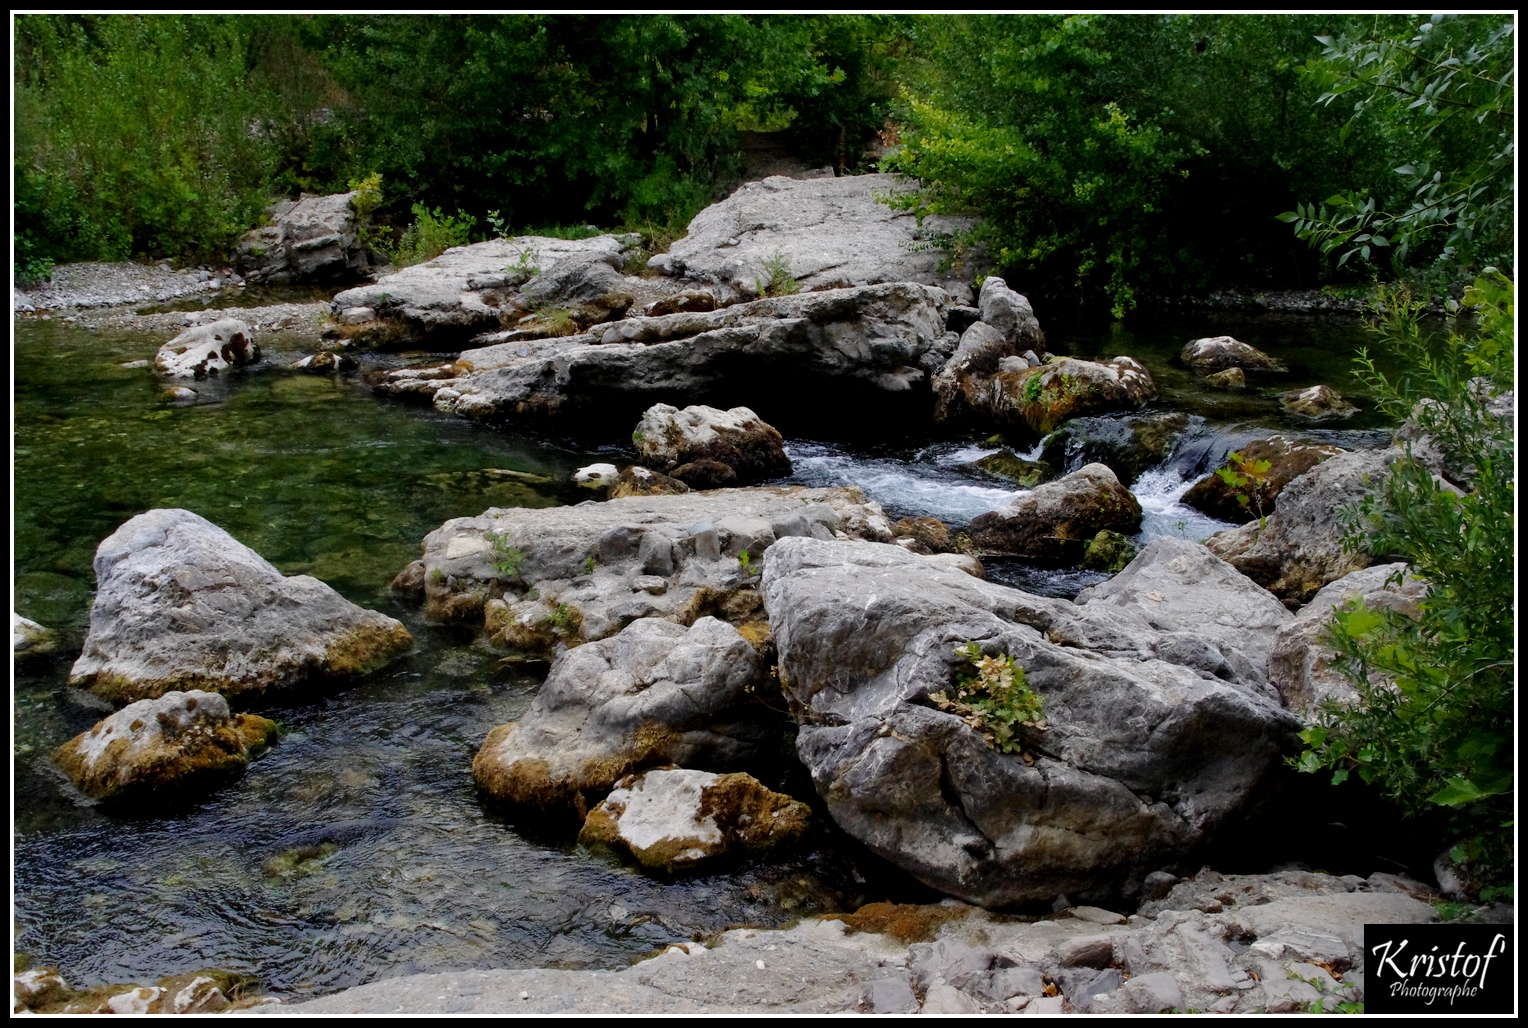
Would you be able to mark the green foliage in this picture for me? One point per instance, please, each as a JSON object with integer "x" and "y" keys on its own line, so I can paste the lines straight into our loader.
{"x": 780, "y": 281}
{"x": 1442, "y": 86}
{"x": 747, "y": 566}
{"x": 993, "y": 697}
{"x": 1250, "y": 479}
{"x": 1033, "y": 388}
{"x": 1434, "y": 724}
{"x": 560, "y": 618}
{"x": 589, "y": 563}
{"x": 507, "y": 560}
{"x": 528, "y": 263}
{"x": 431, "y": 235}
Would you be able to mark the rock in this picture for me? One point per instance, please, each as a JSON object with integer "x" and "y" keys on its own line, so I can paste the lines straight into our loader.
{"x": 1010, "y": 467}
{"x": 1053, "y": 522}
{"x": 640, "y": 481}
{"x": 360, "y": 316}
{"x": 928, "y": 535}
{"x": 959, "y": 318}
{"x": 1300, "y": 549}
{"x": 684, "y": 302}
{"x": 180, "y": 394}
{"x": 856, "y": 344}
{"x": 830, "y": 232}
{"x": 657, "y": 693}
{"x": 204, "y": 350}
{"x": 29, "y": 639}
{"x": 1108, "y": 551}
{"x": 328, "y": 363}
{"x": 597, "y": 476}
{"x": 1140, "y": 759}
{"x": 888, "y": 996}
{"x": 1233, "y": 379}
{"x": 310, "y": 239}
{"x": 1301, "y": 667}
{"x": 1155, "y": 993}
{"x": 181, "y": 604}
{"x": 668, "y": 437}
{"x": 1181, "y": 587}
{"x": 1033, "y": 401}
{"x": 944, "y": 999}
{"x": 1010, "y": 313}
{"x": 1130, "y": 444}
{"x": 1288, "y": 459}
{"x": 1217, "y": 353}
{"x": 163, "y": 744}
{"x": 706, "y": 474}
{"x": 1317, "y": 403}
{"x": 460, "y": 293}
{"x": 577, "y": 278}
{"x": 673, "y": 819}
{"x": 1097, "y": 915}
{"x": 37, "y": 987}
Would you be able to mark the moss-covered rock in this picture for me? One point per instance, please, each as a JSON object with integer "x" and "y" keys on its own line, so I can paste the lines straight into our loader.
{"x": 1130, "y": 444}
{"x": 1288, "y": 459}
{"x": 924, "y": 535}
{"x": 1010, "y": 467}
{"x": 1033, "y": 401}
{"x": 1053, "y": 523}
{"x": 1317, "y": 403}
{"x": 1108, "y": 551}
{"x": 669, "y": 438}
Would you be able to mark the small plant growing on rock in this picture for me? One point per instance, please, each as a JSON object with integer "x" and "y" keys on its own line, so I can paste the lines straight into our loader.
{"x": 994, "y": 698}
{"x": 1033, "y": 388}
{"x": 589, "y": 563}
{"x": 748, "y": 567}
{"x": 559, "y": 617}
{"x": 529, "y": 259}
{"x": 507, "y": 560}
{"x": 1250, "y": 479}
{"x": 780, "y": 281}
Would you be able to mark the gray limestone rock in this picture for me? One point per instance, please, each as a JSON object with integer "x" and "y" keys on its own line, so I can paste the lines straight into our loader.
{"x": 204, "y": 350}
{"x": 1010, "y": 313}
{"x": 1216, "y": 353}
{"x": 181, "y": 604}
{"x": 310, "y": 239}
{"x": 1055, "y": 521}
{"x": 669, "y": 438}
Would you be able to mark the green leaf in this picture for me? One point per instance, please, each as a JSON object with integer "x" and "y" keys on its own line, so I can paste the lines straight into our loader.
{"x": 1457, "y": 792}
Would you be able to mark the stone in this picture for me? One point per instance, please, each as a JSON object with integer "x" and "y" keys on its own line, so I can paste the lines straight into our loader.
{"x": 310, "y": 239}
{"x": 674, "y": 819}
{"x": 1108, "y": 551}
{"x": 683, "y": 302}
{"x": 204, "y": 350}
{"x": 1300, "y": 549}
{"x": 29, "y": 639}
{"x": 888, "y": 996}
{"x": 875, "y": 343}
{"x": 668, "y": 437}
{"x": 577, "y": 278}
{"x": 597, "y": 476}
{"x": 444, "y": 301}
{"x": 945, "y": 999}
{"x": 656, "y": 693}
{"x": 1054, "y": 522}
{"x": 164, "y": 744}
{"x": 1033, "y": 401}
{"x": 180, "y": 604}
{"x": 1179, "y": 586}
{"x": 1087, "y": 951}
{"x": 1010, "y": 467}
{"x": 37, "y": 987}
{"x": 536, "y": 579}
{"x": 1139, "y": 760}
{"x": 1317, "y": 403}
{"x": 1231, "y": 379}
{"x": 181, "y": 394}
{"x": 639, "y": 481}
{"x": 1288, "y": 459}
{"x": 1010, "y": 314}
{"x": 1217, "y": 353}
{"x": 1097, "y": 915}
{"x": 360, "y": 316}
{"x": 706, "y": 474}
{"x": 1302, "y": 667}
{"x": 327, "y": 363}
{"x": 1155, "y": 993}
{"x": 959, "y": 318}
{"x": 1130, "y": 444}
{"x": 830, "y": 232}
{"x": 928, "y": 535}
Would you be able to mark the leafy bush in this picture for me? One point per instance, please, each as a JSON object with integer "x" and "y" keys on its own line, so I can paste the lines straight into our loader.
{"x": 994, "y": 698}
{"x": 1433, "y": 727}
{"x": 1250, "y": 479}
{"x": 431, "y": 235}
{"x": 507, "y": 559}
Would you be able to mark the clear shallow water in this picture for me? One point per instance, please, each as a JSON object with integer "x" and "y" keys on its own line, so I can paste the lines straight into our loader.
{"x": 357, "y": 848}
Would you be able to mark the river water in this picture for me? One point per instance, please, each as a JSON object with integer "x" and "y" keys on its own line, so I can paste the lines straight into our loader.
{"x": 357, "y": 848}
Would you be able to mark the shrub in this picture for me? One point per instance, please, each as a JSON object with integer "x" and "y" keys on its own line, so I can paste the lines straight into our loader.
{"x": 431, "y": 235}
{"x": 993, "y": 697}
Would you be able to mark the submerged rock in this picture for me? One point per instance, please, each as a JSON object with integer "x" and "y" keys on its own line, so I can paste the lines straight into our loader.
{"x": 1010, "y": 467}
{"x": 824, "y": 233}
{"x": 204, "y": 350}
{"x": 673, "y": 819}
{"x": 29, "y": 639}
{"x": 181, "y": 604}
{"x": 1233, "y": 379}
{"x": 656, "y": 693}
{"x": 310, "y": 239}
{"x": 1129, "y": 444}
{"x": 162, "y": 744}
{"x": 1288, "y": 459}
{"x": 328, "y": 362}
{"x": 738, "y": 438}
{"x": 1139, "y": 761}
{"x": 1317, "y": 403}
{"x": 1302, "y": 667}
{"x": 1054, "y": 522}
{"x": 1217, "y": 353}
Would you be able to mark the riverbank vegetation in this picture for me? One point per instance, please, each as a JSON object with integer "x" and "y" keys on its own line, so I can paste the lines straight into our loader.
{"x": 1112, "y": 156}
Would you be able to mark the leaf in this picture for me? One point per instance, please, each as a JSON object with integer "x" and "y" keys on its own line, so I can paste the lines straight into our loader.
{"x": 1456, "y": 793}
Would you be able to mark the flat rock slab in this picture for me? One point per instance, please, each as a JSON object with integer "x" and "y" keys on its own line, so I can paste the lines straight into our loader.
{"x": 181, "y": 604}
{"x": 824, "y": 232}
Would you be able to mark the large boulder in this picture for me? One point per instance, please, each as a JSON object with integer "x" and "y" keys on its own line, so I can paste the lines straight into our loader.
{"x": 1130, "y": 444}
{"x": 203, "y": 350}
{"x": 157, "y": 745}
{"x": 673, "y": 819}
{"x": 1179, "y": 586}
{"x": 657, "y": 693}
{"x": 577, "y": 278}
{"x": 1011, "y": 315}
{"x": 540, "y": 579}
{"x": 461, "y": 293}
{"x": 875, "y": 341}
{"x": 1053, "y": 522}
{"x": 310, "y": 239}
{"x": 1032, "y": 400}
{"x": 181, "y": 604}
{"x": 1288, "y": 459}
{"x": 1302, "y": 667}
{"x": 1298, "y": 549}
{"x": 1217, "y": 353}
{"x": 668, "y": 438}
{"x": 823, "y": 232}
{"x": 1138, "y": 761}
